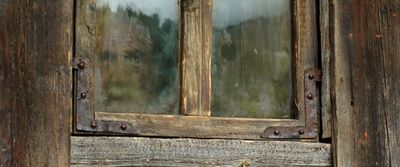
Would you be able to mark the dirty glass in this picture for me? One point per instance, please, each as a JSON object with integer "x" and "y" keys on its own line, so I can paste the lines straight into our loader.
{"x": 136, "y": 68}
{"x": 252, "y": 58}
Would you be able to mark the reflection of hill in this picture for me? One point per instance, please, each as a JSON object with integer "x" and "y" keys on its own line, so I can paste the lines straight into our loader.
{"x": 137, "y": 63}
{"x": 251, "y": 68}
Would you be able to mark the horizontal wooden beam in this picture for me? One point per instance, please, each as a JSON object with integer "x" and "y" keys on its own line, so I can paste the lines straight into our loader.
{"x": 127, "y": 151}
{"x": 195, "y": 126}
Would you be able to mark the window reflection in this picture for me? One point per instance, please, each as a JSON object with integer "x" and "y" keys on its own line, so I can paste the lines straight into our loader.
{"x": 252, "y": 62}
{"x": 137, "y": 56}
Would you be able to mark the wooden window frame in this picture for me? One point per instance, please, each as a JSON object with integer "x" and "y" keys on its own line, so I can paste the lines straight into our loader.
{"x": 195, "y": 44}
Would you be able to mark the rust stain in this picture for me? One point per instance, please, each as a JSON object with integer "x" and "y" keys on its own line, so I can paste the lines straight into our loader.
{"x": 365, "y": 135}
{"x": 378, "y": 36}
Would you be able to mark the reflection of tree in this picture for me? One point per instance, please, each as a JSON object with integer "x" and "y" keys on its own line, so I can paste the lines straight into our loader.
{"x": 161, "y": 60}
{"x": 252, "y": 68}
{"x": 137, "y": 57}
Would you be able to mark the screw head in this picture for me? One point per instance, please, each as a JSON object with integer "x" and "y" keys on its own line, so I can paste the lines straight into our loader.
{"x": 309, "y": 96}
{"x": 123, "y": 127}
{"x": 311, "y": 76}
{"x": 93, "y": 124}
{"x": 81, "y": 65}
{"x": 301, "y": 132}
{"x": 276, "y": 132}
{"x": 83, "y": 95}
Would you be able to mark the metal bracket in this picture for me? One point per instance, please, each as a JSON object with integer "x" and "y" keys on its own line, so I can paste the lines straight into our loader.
{"x": 84, "y": 116}
{"x": 310, "y": 129}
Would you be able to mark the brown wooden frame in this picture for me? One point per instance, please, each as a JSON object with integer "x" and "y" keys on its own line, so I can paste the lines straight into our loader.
{"x": 196, "y": 80}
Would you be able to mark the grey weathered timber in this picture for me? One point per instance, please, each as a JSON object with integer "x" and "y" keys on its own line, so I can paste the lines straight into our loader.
{"x": 326, "y": 107}
{"x": 341, "y": 100}
{"x": 366, "y": 82}
{"x": 35, "y": 83}
{"x": 125, "y": 151}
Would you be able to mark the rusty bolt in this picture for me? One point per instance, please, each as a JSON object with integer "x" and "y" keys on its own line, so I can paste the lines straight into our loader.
{"x": 310, "y": 76}
{"x": 93, "y": 124}
{"x": 309, "y": 96}
{"x": 83, "y": 95}
{"x": 276, "y": 132}
{"x": 123, "y": 127}
{"x": 81, "y": 64}
{"x": 301, "y": 131}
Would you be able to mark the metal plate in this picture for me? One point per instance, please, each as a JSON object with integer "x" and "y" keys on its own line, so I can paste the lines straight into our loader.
{"x": 312, "y": 97}
{"x": 84, "y": 117}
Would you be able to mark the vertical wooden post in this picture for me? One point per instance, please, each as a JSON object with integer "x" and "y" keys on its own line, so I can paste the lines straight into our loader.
{"x": 196, "y": 57}
{"x": 35, "y": 82}
{"x": 366, "y": 82}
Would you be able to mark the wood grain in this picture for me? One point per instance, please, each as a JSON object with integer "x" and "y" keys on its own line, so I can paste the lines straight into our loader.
{"x": 5, "y": 85}
{"x": 305, "y": 48}
{"x": 195, "y": 126}
{"x": 196, "y": 58}
{"x": 367, "y": 82}
{"x": 125, "y": 151}
{"x": 35, "y": 96}
{"x": 341, "y": 97}
{"x": 326, "y": 53}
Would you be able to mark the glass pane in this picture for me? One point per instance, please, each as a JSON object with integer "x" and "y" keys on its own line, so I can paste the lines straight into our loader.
{"x": 252, "y": 62}
{"x": 137, "y": 56}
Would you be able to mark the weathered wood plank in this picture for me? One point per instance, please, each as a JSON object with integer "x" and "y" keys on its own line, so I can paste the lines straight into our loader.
{"x": 305, "y": 48}
{"x": 126, "y": 151}
{"x": 5, "y": 91}
{"x": 36, "y": 49}
{"x": 196, "y": 58}
{"x": 5, "y": 86}
{"x": 195, "y": 126}
{"x": 325, "y": 34}
{"x": 367, "y": 82}
{"x": 390, "y": 79}
{"x": 341, "y": 95}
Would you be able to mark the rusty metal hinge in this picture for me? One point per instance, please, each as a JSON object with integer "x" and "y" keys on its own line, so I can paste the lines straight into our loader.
{"x": 310, "y": 130}
{"x": 84, "y": 116}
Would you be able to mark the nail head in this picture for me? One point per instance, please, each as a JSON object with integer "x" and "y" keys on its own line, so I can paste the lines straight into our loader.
{"x": 83, "y": 95}
{"x": 81, "y": 65}
{"x": 301, "y": 131}
{"x": 276, "y": 132}
{"x": 310, "y": 76}
{"x": 123, "y": 127}
{"x": 93, "y": 124}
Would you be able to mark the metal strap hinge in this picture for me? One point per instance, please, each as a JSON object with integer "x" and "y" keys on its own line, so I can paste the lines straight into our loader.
{"x": 84, "y": 116}
{"x": 311, "y": 97}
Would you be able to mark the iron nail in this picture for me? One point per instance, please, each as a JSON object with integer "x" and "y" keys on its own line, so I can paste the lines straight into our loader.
{"x": 310, "y": 76}
{"x": 309, "y": 96}
{"x": 83, "y": 95}
{"x": 277, "y": 132}
{"x": 81, "y": 65}
{"x": 123, "y": 126}
{"x": 301, "y": 131}
{"x": 93, "y": 124}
